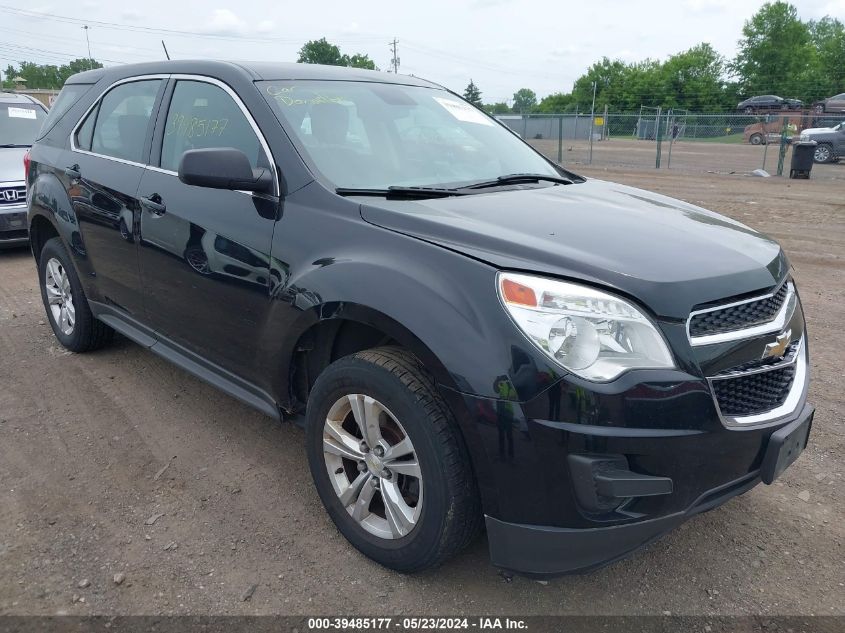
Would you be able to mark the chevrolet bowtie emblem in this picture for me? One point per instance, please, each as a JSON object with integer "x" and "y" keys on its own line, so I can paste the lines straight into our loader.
{"x": 779, "y": 346}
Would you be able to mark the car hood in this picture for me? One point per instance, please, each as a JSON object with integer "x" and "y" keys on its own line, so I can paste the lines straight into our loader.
{"x": 668, "y": 254}
{"x": 11, "y": 163}
{"x": 818, "y": 130}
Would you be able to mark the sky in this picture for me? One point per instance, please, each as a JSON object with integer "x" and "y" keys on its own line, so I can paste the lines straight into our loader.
{"x": 502, "y": 45}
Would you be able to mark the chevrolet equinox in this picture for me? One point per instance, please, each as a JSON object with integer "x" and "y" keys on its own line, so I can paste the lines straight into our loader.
{"x": 475, "y": 335}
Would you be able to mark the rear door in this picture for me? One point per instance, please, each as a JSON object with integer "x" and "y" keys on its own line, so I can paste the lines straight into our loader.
{"x": 109, "y": 148}
{"x": 205, "y": 253}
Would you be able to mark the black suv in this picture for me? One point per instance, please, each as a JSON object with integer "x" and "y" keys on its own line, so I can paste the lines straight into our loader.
{"x": 474, "y": 334}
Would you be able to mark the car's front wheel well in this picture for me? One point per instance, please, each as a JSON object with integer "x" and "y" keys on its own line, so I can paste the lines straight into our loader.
{"x": 324, "y": 343}
{"x": 40, "y": 232}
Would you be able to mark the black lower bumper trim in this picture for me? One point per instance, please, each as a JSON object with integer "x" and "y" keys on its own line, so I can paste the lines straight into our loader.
{"x": 543, "y": 551}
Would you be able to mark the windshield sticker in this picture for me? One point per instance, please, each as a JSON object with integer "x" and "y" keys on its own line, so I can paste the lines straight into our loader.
{"x": 21, "y": 113}
{"x": 284, "y": 96}
{"x": 463, "y": 111}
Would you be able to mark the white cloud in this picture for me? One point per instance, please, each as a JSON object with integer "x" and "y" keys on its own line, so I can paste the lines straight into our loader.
{"x": 266, "y": 26}
{"x": 224, "y": 22}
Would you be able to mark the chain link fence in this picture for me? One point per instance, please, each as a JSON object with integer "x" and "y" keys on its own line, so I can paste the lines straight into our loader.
{"x": 674, "y": 139}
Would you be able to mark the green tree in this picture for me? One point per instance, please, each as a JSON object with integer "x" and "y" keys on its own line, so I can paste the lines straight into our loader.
{"x": 497, "y": 108}
{"x": 320, "y": 52}
{"x": 828, "y": 76}
{"x": 524, "y": 100}
{"x": 323, "y": 52}
{"x": 693, "y": 79}
{"x": 473, "y": 94}
{"x": 610, "y": 78}
{"x": 46, "y": 75}
{"x": 557, "y": 102}
{"x": 359, "y": 61}
{"x": 776, "y": 53}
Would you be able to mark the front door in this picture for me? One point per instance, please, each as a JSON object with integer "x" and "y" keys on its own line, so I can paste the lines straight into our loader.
{"x": 205, "y": 253}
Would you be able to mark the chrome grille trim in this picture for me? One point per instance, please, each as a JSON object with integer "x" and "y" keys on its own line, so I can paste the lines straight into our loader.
{"x": 775, "y": 325}
{"x": 793, "y": 401}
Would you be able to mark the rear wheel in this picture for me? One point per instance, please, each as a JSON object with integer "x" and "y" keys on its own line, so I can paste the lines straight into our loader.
{"x": 65, "y": 302}
{"x": 823, "y": 153}
{"x": 388, "y": 461}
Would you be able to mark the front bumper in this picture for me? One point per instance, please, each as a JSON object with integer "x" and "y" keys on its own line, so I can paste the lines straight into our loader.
{"x": 13, "y": 226}
{"x": 548, "y": 551}
{"x": 538, "y": 522}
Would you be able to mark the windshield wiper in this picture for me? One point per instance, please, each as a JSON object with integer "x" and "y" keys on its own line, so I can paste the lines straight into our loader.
{"x": 420, "y": 193}
{"x": 514, "y": 179}
{"x": 7, "y": 145}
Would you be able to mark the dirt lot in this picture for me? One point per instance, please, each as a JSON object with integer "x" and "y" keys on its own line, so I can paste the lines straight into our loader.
{"x": 117, "y": 462}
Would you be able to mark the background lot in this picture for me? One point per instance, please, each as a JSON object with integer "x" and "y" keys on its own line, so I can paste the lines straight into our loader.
{"x": 84, "y": 441}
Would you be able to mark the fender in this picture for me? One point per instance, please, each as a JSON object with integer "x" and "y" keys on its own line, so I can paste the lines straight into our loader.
{"x": 437, "y": 302}
{"x": 49, "y": 201}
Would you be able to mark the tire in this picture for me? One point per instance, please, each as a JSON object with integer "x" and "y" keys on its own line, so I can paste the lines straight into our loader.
{"x": 756, "y": 139}
{"x": 749, "y": 110}
{"x": 824, "y": 154}
{"x": 392, "y": 384}
{"x": 77, "y": 330}
{"x": 820, "y": 108}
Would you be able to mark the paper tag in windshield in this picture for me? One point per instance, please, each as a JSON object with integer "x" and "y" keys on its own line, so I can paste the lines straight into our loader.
{"x": 463, "y": 111}
{"x": 21, "y": 113}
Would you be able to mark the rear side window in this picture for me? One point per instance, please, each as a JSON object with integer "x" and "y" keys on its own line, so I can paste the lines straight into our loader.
{"x": 202, "y": 116}
{"x": 68, "y": 96}
{"x": 85, "y": 133}
{"x": 121, "y": 126}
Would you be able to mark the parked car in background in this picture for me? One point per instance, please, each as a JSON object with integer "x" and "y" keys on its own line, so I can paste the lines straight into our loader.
{"x": 830, "y": 143}
{"x": 835, "y": 103}
{"x": 770, "y": 131}
{"x": 768, "y": 102}
{"x": 21, "y": 117}
{"x": 469, "y": 333}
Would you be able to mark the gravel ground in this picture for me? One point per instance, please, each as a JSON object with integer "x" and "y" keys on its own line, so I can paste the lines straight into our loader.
{"x": 129, "y": 487}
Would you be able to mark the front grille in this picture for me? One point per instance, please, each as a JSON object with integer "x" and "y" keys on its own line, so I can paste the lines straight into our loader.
{"x": 738, "y": 317}
{"x": 752, "y": 394}
{"x": 10, "y": 196}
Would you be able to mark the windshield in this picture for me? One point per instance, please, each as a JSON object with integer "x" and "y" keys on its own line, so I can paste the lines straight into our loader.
{"x": 366, "y": 135}
{"x": 20, "y": 123}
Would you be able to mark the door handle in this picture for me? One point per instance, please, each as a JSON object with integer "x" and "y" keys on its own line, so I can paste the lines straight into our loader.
{"x": 73, "y": 172}
{"x": 154, "y": 204}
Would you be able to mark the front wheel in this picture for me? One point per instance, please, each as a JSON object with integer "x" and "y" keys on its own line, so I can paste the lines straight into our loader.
{"x": 388, "y": 461}
{"x": 823, "y": 154}
{"x": 756, "y": 139}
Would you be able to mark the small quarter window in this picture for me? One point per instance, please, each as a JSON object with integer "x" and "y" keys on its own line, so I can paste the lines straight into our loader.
{"x": 124, "y": 120}
{"x": 85, "y": 133}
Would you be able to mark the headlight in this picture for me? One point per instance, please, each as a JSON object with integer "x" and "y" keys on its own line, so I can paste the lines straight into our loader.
{"x": 804, "y": 137}
{"x": 593, "y": 334}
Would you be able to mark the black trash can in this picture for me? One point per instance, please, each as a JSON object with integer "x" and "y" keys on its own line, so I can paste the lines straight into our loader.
{"x": 802, "y": 159}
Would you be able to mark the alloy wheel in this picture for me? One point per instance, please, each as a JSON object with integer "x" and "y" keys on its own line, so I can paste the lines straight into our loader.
{"x": 373, "y": 466}
{"x": 822, "y": 154}
{"x": 60, "y": 296}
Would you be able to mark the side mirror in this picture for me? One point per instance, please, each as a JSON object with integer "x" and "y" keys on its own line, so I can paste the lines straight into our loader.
{"x": 223, "y": 168}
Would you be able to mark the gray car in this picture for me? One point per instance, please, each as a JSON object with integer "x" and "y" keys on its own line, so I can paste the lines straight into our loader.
{"x": 830, "y": 143}
{"x": 21, "y": 118}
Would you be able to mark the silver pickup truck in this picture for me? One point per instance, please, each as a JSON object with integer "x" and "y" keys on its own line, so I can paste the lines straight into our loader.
{"x": 831, "y": 142}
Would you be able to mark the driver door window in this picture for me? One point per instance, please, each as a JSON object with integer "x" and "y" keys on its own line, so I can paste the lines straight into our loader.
{"x": 203, "y": 116}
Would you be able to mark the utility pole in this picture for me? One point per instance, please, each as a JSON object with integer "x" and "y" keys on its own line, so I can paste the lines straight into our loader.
{"x": 592, "y": 120}
{"x": 395, "y": 60}
{"x": 88, "y": 42}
